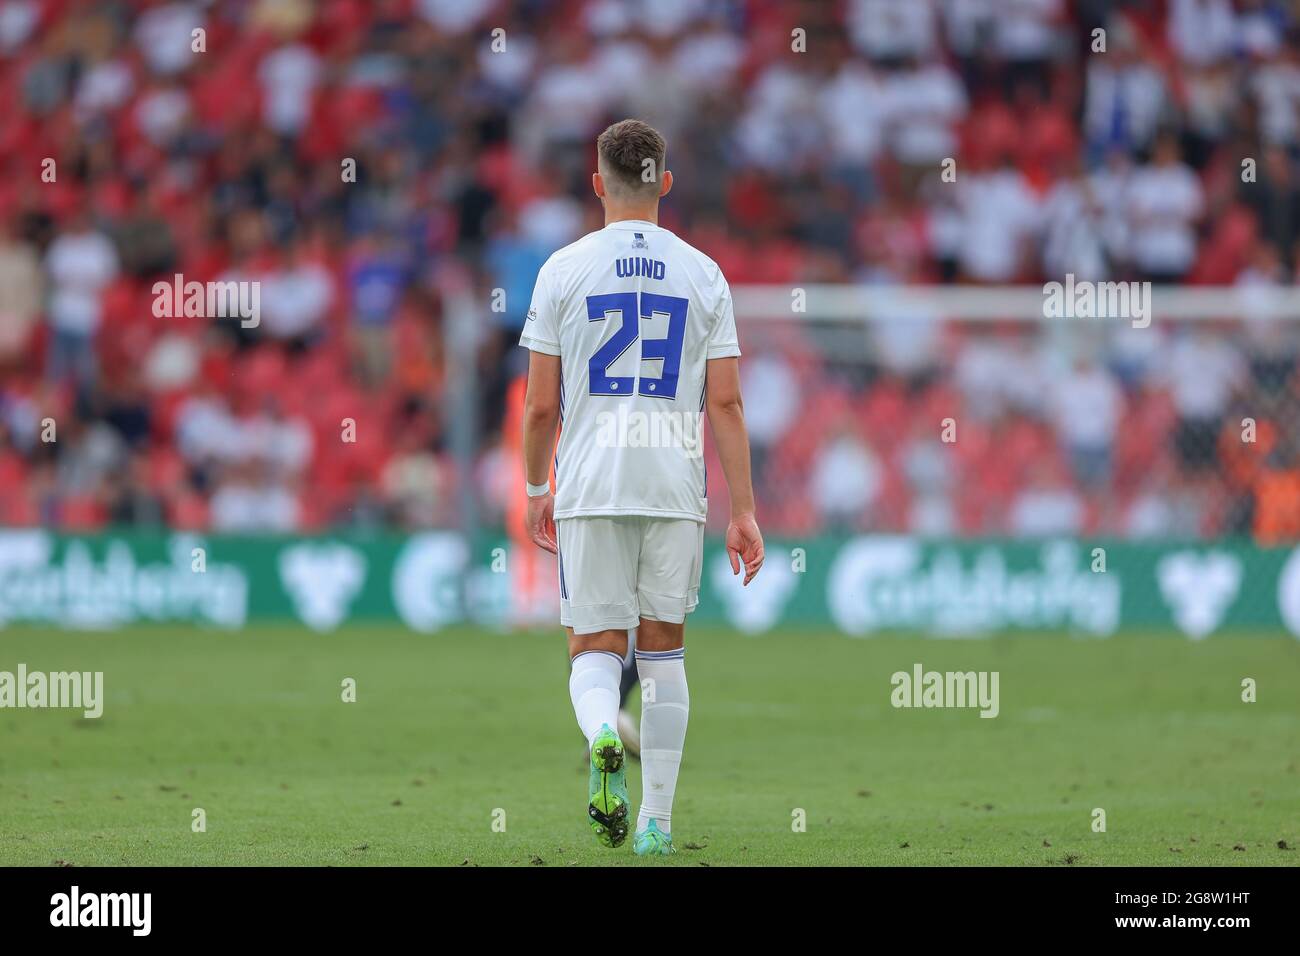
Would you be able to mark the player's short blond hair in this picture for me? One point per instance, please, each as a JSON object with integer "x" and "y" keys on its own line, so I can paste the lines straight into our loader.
{"x": 624, "y": 149}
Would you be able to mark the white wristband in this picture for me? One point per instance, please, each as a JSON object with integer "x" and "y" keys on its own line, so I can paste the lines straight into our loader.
{"x": 536, "y": 491}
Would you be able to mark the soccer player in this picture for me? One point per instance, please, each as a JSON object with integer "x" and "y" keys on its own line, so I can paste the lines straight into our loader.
{"x": 632, "y": 337}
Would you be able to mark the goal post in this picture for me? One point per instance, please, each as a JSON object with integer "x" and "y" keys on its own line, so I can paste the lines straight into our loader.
{"x": 1022, "y": 303}
{"x": 978, "y": 449}
{"x": 1024, "y": 410}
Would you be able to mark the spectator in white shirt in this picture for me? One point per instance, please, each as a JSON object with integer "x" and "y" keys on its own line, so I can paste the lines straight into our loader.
{"x": 1276, "y": 85}
{"x": 1047, "y": 506}
{"x": 296, "y": 298}
{"x": 1259, "y": 27}
{"x": 250, "y": 502}
{"x": 1074, "y": 238}
{"x": 1086, "y": 405}
{"x": 772, "y": 403}
{"x": 1203, "y": 372}
{"x": 81, "y": 263}
{"x": 1026, "y": 36}
{"x": 165, "y": 35}
{"x": 893, "y": 31}
{"x": 927, "y": 464}
{"x": 1124, "y": 96}
{"x": 289, "y": 77}
{"x": 1202, "y": 31}
{"x": 1165, "y": 203}
{"x": 924, "y": 105}
{"x": 1109, "y": 187}
{"x": 846, "y": 478}
{"x": 1000, "y": 213}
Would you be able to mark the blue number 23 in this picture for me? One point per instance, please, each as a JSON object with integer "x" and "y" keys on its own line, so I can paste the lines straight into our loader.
{"x": 667, "y": 350}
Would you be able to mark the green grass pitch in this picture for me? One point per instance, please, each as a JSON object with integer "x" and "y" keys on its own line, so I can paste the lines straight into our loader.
{"x": 451, "y": 732}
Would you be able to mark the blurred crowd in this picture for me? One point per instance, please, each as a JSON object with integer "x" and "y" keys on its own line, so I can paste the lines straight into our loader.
{"x": 1162, "y": 148}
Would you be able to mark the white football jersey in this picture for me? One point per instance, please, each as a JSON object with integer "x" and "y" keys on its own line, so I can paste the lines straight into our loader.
{"x": 635, "y": 314}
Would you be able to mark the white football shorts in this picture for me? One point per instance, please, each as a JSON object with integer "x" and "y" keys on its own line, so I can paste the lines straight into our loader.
{"x": 616, "y": 570}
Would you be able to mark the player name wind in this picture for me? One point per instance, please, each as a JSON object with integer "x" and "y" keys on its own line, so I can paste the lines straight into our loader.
{"x": 923, "y": 688}
{"x": 57, "y": 689}
{"x": 632, "y": 428}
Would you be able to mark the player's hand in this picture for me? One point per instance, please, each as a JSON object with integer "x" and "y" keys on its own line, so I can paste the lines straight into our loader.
{"x": 541, "y": 522}
{"x": 745, "y": 545}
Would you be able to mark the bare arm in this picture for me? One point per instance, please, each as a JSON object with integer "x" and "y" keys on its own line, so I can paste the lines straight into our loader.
{"x": 726, "y": 413}
{"x": 541, "y": 416}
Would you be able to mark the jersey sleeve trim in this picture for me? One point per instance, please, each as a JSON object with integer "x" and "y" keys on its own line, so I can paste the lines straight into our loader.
{"x": 538, "y": 345}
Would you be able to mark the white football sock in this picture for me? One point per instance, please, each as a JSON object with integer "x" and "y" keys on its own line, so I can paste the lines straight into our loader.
{"x": 593, "y": 688}
{"x": 665, "y": 705}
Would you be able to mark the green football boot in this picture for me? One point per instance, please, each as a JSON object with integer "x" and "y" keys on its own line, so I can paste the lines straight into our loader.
{"x": 653, "y": 842}
{"x": 607, "y": 807}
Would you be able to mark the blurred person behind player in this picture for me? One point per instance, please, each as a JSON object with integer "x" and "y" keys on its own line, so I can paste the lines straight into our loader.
{"x": 529, "y": 604}
{"x": 632, "y": 336}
